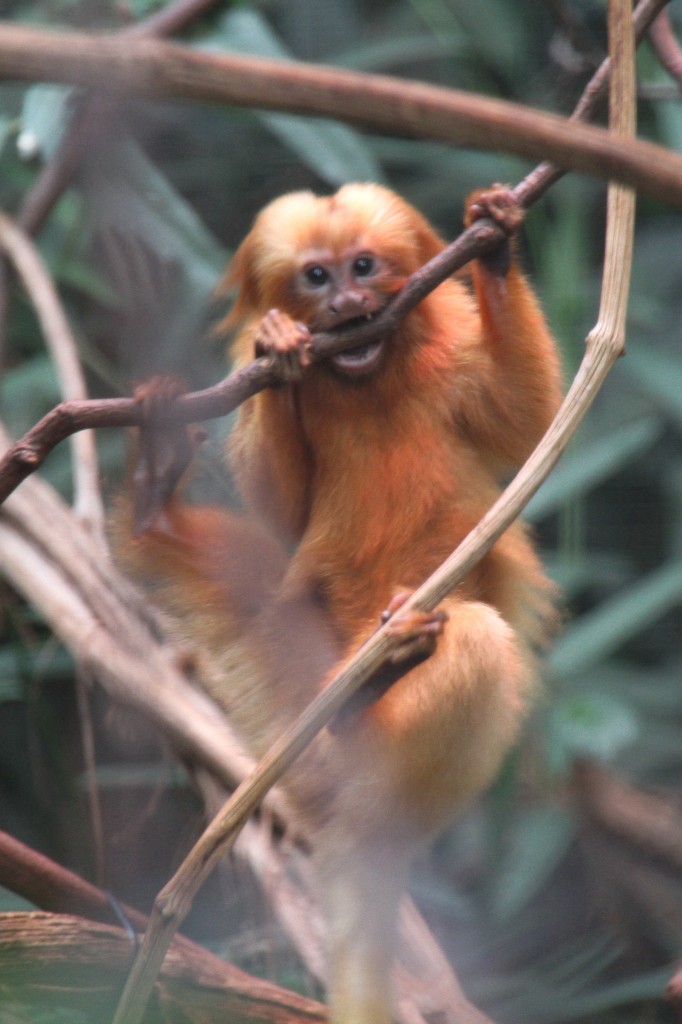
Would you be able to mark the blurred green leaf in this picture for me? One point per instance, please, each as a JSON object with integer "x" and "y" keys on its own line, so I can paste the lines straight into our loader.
{"x": 386, "y": 52}
{"x": 581, "y": 725}
{"x": 591, "y": 462}
{"x": 335, "y": 152}
{"x": 495, "y": 30}
{"x": 161, "y": 261}
{"x": 546, "y": 993}
{"x": 10, "y": 903}
{"x": 131, "y": 196}
{"x": 660, "y": 375}
{"x": 75, "y": 273}
{"x": 28, "y": 391}
{"x": 44, "y": 117}
{"x": 611, "y": 995}
{"x": 19, "y": 663}
{"x": 601, "y": 632}
{"x": 536, "y": 842}
{"x": 5, "y": 129}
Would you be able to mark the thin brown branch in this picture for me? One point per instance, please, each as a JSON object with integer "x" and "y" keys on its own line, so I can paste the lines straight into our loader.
{"x": 665, "y": 46}
{"x": 163, "y": 70}
{"x": 647, "y": 821}
{"x": 63, "y": 349}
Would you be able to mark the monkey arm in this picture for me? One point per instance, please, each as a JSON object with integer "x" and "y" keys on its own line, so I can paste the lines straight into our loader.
{"x": 519, "y": 367}
{"x": 267, "y": 450}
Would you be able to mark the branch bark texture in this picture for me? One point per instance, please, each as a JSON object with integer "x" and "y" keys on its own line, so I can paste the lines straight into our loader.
{"x": 163, "y": 70}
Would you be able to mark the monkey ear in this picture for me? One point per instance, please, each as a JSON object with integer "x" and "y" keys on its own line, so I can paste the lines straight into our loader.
{"x": 241, "y": 276}
{"x": 429, "y": 242}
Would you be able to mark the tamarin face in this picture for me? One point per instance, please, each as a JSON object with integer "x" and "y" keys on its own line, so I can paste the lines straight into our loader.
{"x": 329, "y": 260}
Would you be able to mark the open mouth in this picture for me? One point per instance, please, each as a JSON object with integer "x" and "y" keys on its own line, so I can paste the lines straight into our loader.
{"x": 360, "y": 360}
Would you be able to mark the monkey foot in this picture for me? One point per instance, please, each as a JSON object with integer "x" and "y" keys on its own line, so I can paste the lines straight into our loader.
{"x": 285, "y": 343}
{"x": 166, "y": 449}
{"x": 417, "y": 630}
{"x": 418, "y": 633}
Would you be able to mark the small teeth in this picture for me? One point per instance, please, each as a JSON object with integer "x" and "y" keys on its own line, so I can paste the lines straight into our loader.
{"x": 361, "y": 358}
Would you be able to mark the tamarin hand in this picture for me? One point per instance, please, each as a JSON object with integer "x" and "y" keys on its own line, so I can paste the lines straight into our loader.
{"x": 285, "y": 342}
{"x": 500, "y": 204}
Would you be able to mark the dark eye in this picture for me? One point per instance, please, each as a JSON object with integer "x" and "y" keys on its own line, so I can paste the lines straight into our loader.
{"x": 363, "y": 266}
{"x": 316, "y": 275}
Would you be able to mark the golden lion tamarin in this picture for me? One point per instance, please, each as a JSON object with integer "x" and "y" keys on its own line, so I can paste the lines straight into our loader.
{"x": 359, "y": 475}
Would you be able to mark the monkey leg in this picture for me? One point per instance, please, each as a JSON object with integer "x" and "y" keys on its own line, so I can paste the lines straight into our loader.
{"x": 360, "y": 891}
{"x": 442, "y": 729}
{"x": 404, "y": 765}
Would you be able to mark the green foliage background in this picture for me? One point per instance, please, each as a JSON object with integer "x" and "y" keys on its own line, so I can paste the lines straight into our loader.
{"x": 546, "y": 919}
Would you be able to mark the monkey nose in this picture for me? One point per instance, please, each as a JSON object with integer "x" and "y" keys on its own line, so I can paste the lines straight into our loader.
{"x": 348, "y": 304}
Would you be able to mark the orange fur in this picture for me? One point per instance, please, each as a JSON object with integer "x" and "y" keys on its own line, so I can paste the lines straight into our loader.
{"x": 374, "y": 473}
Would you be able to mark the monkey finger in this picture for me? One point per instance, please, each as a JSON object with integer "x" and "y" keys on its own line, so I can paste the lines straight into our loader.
{"x": 413, "y": 620}
{"x": 286, "y": 344}
{"x": 417, "y": 632}
{"x": 395, "y": 604}
{"x": 499, "y": 203}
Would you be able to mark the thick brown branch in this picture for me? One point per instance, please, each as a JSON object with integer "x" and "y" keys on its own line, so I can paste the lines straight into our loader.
{"x": 63, "y": 961}
{"x": 164, "y": 70}
{"x": 54, "y": 889}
